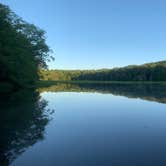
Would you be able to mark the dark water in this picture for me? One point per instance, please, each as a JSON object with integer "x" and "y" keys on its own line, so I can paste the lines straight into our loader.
{"x": 85, "y": 125}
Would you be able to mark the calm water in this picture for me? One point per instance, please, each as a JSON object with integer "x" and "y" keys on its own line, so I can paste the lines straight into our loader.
{"x": 85, "y": 125}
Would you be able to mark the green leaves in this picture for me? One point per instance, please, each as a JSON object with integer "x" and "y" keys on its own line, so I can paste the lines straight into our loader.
{"x": 147, "y": 72}
{"x": 23, "y": 49}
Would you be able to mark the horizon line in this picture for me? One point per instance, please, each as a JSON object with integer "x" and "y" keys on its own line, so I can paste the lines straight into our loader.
{"x": 107, "y": 68}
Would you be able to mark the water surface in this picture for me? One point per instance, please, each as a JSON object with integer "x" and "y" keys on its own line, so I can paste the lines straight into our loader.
{"x": 85, "y": 124}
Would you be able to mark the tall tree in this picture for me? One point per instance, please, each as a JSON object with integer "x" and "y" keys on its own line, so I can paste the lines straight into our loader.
{"x": 23, "y": 50}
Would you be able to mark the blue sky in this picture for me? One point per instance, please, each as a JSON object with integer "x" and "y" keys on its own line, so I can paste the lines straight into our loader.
{"x": 92, "y": 34}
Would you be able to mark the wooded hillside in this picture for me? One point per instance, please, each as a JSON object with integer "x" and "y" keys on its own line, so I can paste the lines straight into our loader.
{"x": 146, "y": 72}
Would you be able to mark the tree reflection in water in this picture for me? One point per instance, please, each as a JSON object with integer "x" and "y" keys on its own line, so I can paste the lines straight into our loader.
{"x": 24, "y": 115}
{"x": 23, "y": 118}
{"x": 147, "y": 91}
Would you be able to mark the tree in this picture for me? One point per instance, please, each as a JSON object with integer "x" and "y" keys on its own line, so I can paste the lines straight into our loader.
{"x": 23, "y": 50}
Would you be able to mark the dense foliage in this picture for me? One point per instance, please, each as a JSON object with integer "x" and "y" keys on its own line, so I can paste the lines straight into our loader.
{"x": 22, "y": 50}
{"x": 146, "y": 72}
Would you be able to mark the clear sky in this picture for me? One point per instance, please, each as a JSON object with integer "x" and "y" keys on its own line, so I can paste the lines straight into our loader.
{"x": 87, "y": 34}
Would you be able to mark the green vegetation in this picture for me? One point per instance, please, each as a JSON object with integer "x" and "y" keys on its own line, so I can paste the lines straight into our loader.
{"x": 146, "y": 72}
{"x": 23, "y": 51}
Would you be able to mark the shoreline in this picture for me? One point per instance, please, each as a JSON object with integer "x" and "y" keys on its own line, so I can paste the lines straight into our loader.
{"x": 43, "y": 83}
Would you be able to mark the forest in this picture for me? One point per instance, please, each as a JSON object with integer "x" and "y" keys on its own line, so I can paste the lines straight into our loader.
{"x": 23, "y": 51}
{"x": 147, "y": 72}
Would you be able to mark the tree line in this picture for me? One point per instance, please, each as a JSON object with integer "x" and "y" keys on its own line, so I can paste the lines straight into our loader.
{"x": 23, "y": 50}
{"x": 147, "y": 72}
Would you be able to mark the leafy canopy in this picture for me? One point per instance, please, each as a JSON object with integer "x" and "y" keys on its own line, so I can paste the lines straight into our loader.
{"x": 23, "y": 49}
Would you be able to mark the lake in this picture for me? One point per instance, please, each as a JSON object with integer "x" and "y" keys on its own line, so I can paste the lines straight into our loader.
{"x": 85, "y": 125}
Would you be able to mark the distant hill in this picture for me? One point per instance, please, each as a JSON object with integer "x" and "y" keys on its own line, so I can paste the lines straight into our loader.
{"x": 155, "y": 71}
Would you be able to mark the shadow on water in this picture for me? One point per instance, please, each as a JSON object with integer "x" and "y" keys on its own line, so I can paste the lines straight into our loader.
{"x": 23, "y": 118}
{"x": 24, "y": 115}
{"x": 151, "y": 92}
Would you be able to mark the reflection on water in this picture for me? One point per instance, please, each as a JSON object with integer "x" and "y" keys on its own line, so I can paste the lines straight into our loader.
{"x": 91, "y": 129}
{"x": 23, "y": 118}
{"x": 152, "y": 92}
